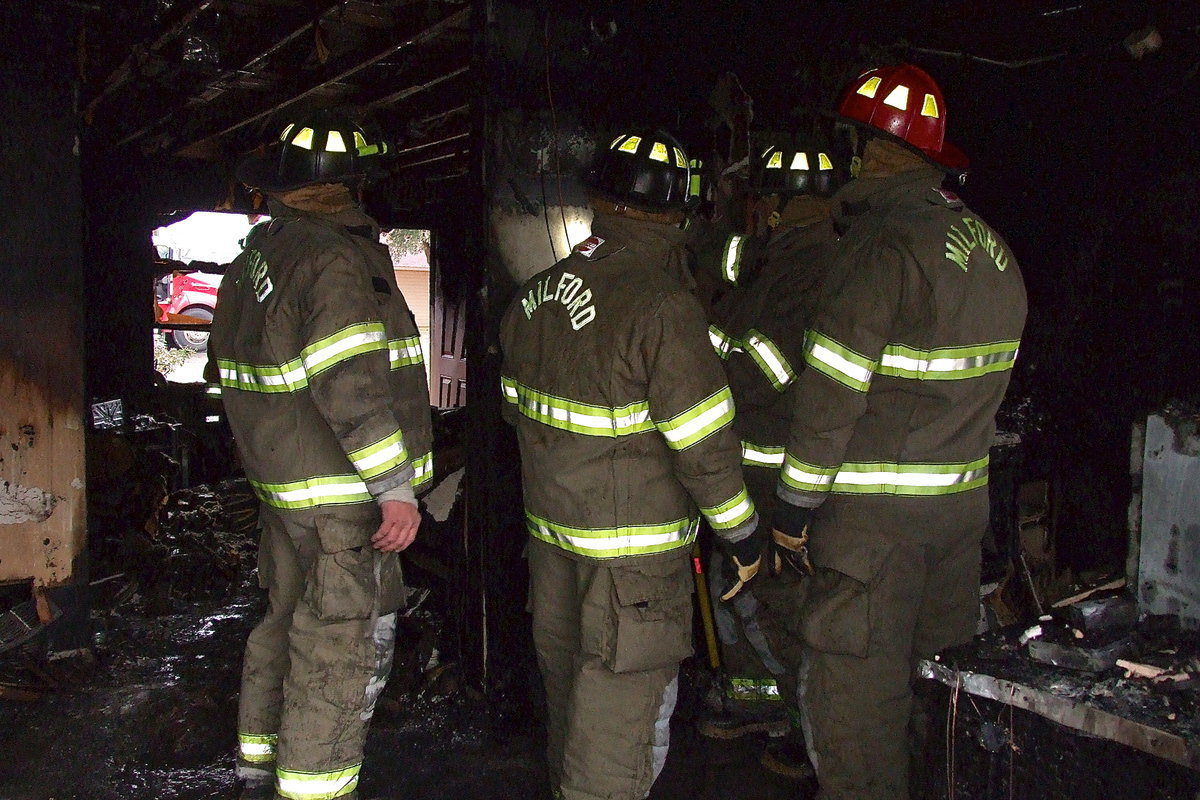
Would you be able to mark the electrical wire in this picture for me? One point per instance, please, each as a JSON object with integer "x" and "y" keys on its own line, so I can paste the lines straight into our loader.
{"x": 546, "y": 215}
{"x": 554, "y": 129}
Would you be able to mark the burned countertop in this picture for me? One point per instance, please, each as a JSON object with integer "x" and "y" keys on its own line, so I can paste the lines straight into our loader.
{"x": 1098, "y": 682}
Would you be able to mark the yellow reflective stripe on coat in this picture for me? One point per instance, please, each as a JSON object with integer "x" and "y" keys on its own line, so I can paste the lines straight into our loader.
{"x": 722, "y": 342}
{"x": 731, "y": 258}
{"x": 265, "y": 378}
{"x": 730, "y": 514}
{"x": 329, "y": 490}
{"x": 806, "y": 477}
{"x": 837, "y": 361}
{"x": 891, "y": 478}
{"x": 353, "y": 340}
{"x": 762, "y": 455}
{"x": 626, "y": 540}
{"x": 405, "y": 352}
{"x": 316, "y": 785}
{"x": 948, "y": 363}
{"x": 770, "y": 359}
{"x": 700, "y": 421}
{"x": 576, "y": 417}
{"x": 293, "y": 376}
{"x": 422, "y": 469}
{"x": 257, "y": 748}
{"x": 382, "y": 456}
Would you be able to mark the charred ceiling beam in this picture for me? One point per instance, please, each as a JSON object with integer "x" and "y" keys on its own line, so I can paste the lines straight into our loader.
{"x": 446, "y": 150}
{"x": 204, "y": 143}
{"x": 129, "y": 67}
{"x": 421, "y": 148}
{"x": 407, "y": 92}
{"x": 221, "y": 83}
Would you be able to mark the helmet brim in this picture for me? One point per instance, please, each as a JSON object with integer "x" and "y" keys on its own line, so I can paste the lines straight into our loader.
{"x": 950, "y": 159}
{"x": 261, "y": 172}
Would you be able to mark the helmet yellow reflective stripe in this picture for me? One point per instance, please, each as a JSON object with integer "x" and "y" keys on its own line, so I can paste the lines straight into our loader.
{"x": 335, "y": 143}
{"x": 630, "y": 145}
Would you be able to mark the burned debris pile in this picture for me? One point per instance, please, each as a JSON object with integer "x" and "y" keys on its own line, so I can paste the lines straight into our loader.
{"x": 199, "y": 545}
{"x": 1145, "y": 671}
{"x": 1091, "y": 699}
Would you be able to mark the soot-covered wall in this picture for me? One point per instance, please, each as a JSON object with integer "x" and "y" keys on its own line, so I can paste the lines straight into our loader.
{"x": 41, "y": 311}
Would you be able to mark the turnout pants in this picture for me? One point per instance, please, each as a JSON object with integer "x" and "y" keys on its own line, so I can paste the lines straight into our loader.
{"x": 321, "y": 655}
{"x": 609, "y": 637}
{"x": 760, "y": 658}
{"x": 897, "y": 580}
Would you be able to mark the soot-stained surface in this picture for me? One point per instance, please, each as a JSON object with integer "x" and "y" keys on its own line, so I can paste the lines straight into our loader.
{"x": 153, "y": 716}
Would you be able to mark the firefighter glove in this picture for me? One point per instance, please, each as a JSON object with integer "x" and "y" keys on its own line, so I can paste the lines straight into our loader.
{"x": 742, "y": 560}
{"x": 789, "y": 540}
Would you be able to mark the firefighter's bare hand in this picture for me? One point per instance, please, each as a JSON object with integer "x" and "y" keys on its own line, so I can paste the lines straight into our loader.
{"x": 399, "y": 528}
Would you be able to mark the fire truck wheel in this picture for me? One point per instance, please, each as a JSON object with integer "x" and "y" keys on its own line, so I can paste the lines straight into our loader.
{"x": 196, "y": 341}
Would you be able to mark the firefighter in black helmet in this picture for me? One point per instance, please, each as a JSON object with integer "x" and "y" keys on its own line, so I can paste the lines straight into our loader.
{"x": 766, "y": 284}
{"x": 321, "y": 375}
{"x": 624, "y": 420}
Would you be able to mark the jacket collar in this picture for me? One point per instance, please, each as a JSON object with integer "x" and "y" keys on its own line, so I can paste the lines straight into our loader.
{"x": 861, "y": 195}
{"x": 643, "y": 238}
{"x": 354, "y": 220}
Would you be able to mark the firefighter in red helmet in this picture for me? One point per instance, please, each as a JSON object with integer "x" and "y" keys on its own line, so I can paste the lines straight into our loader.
{"x": 884, "y": 480}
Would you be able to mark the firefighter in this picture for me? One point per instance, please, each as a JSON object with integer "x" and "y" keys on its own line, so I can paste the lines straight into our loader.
{"x": 623, "y": 418}
{"x": 323, "y": 382}
{"x": 769, "y": 281}
{"x": 885, "y": 474}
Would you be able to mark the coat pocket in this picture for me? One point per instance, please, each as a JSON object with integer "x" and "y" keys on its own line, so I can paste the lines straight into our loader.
{"x": 650, "y": 621}
{"x": 350, "y": 576}
{"x": 837, "y": 616}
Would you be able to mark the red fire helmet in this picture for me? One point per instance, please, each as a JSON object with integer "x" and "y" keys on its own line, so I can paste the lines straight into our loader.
{"x": 905, "y": 102}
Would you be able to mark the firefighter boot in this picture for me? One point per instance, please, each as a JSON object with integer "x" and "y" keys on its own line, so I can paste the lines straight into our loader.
{"x": 787, "y": 755}
{"x": 733, "y": 719}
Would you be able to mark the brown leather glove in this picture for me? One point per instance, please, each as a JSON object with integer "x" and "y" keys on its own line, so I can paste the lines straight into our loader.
{"x": 742, "y": 560}
{"x": 789, "y": 541}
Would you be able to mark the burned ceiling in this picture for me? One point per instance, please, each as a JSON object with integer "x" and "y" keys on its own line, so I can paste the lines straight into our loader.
{"x": 201, "y": 83}
{"x": 211, "y": 80}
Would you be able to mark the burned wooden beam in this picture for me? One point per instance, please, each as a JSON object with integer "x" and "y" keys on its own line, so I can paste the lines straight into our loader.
{"x": 1079, "y": 716}
{"x": 127, "y": 69}
{"x": 217, "y": 86}
{"x": 446, "y": 23}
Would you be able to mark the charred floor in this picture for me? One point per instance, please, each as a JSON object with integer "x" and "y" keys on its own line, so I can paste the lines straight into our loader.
{"x": 127, "y": 532}
{"x": 150, "y": 710}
